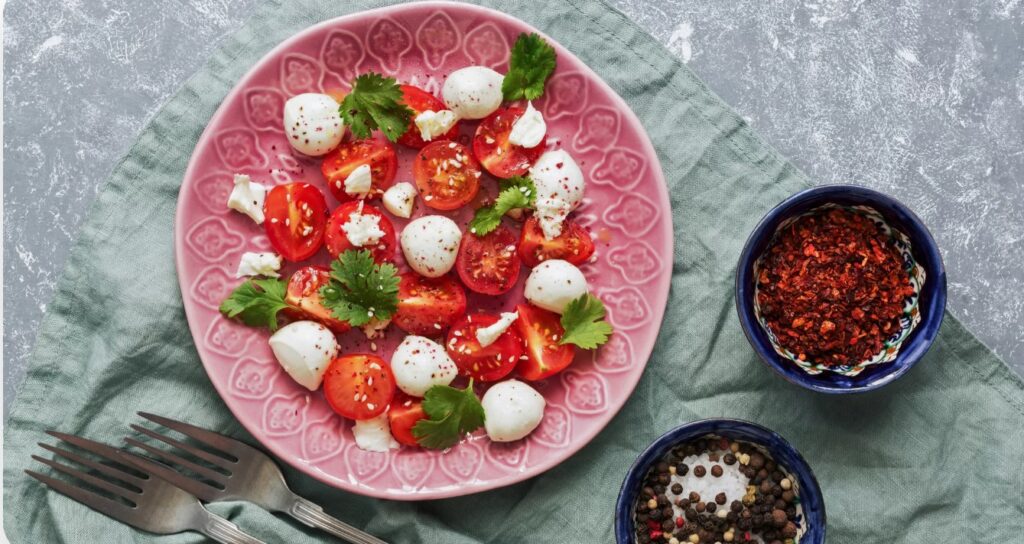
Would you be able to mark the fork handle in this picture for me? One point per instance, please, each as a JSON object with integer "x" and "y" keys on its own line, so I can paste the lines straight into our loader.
{"x": 224, "y": 531}
{"x": 313, "y": 515}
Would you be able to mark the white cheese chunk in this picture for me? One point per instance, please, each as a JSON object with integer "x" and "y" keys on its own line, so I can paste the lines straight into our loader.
{"x": 359, "y": 182}
{"x": 375, "y": 328}
{"x": 553, "y": 284}
{"x": 399, "y": 199}
{"x": 490, "y": 334}
{"x": 259, "y": 264}
{"x": 374, "y": 434}
{"x": 419, "y": 363}
{"x": 559, "y": 183}
{"x": 305, "y": 350}
{"x": 473, "y": 92}
{"x": 362, "y": 229}
{"x": 529, "y": 130}
{"x": 512, "y": 410}
{"x": 435, "y": 123}
{"x": 247, "y": 197}
{"x": 313, "y": 124}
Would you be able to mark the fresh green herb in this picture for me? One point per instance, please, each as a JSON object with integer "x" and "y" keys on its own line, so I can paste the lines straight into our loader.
{"x": 451, "y": 414}
{"x": 360, "y": 289}
{"x": 584, "y": 324}
{"x": 529, "y": 67}
{"x": 375, "y": 103}
{"x": 516, "y": 192}
{"x": 257, "y": 302}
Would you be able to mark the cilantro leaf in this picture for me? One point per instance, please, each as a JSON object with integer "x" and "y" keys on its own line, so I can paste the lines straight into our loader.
{"x": 256, "y": 302}
{"x": 375, "y": 102}
{"x": 584, "y": 323}
{"x": 451, "y": 413}
{"x": 360, "y": 289}
{"x": 529, "y": 66}
{"x": 516, "y": 192}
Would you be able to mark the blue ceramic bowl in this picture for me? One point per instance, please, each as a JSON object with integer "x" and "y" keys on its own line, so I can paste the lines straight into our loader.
{"x": 931, "y": 301}
{"x": 781, "y": 451}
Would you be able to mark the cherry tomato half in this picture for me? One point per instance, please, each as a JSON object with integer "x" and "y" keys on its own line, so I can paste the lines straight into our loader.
{"x": 497, "y": 155}
{"x": 486, "y": 364}
{"x": 573, "y": 245}
{"x": 428, "y": 306}
{"x": 359, "y": 386}
{"x": 488, "y": 264}
{"x": 348, "y": 156}
{"x": 541, "y": 331}
{"x": 296, "y": 214}
{"x": 338, "y": 241}
{"x": 420, "y": 101}
{"x": 405, "y": 412}
{"x": 304, "y": 293}
{"x": 447, "y": 176}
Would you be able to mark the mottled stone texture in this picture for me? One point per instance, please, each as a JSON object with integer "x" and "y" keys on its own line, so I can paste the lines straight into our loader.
{"x": 922, "y": 100}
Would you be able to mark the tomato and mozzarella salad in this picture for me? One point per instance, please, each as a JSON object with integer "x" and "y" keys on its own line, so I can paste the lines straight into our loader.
{"x": 414, "y": 279}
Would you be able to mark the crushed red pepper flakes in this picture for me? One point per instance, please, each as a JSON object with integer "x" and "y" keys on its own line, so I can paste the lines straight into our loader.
{"x": 831, "y": 287}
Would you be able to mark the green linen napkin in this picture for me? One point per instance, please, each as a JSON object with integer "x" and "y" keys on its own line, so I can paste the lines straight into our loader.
{"x": 935, "y": 457}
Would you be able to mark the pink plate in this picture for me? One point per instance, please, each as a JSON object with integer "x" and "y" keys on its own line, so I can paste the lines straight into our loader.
{"x": 626, "y": 209}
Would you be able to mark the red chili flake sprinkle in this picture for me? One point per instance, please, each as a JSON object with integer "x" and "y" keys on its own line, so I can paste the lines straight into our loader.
{"x": 832, "y": 287}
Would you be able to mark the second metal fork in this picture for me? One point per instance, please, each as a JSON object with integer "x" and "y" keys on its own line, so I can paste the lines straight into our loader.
{"x": 243, "y": 473}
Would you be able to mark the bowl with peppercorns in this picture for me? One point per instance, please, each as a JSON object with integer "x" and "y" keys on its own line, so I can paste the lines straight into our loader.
{"x": 840, "y": 289}
{"x": 718, "y": 481}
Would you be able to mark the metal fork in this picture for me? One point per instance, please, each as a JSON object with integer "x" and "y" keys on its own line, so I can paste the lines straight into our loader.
{"x": 246, "y": 473}
{"x": 159, "y": 507}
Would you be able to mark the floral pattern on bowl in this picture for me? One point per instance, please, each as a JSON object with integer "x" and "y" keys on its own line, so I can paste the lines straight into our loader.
{"x": 911, "y": 312}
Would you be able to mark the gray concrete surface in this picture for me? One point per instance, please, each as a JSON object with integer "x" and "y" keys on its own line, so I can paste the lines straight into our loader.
{"x": 922, "y": 100}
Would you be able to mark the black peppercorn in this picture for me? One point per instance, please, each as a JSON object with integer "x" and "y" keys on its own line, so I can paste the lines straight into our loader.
{"x": 682, "y": 469}
{"x": 716, "y": 471}
{"x": 720, "y": 498}
{"x": 677, "y": 488}
{"x": 699, "y": 471}
{"x": 729, "y": 459}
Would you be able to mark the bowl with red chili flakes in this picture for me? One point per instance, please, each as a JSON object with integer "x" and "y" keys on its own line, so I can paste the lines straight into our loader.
{"x": 840, "y": 289}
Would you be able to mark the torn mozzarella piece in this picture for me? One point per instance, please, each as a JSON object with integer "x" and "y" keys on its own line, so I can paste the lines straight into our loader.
{"x": 304, "y": 349}
{"x": 375, "y": 328}
{"x": 259, "y": 264}
{"x": 362, "y": 229}
{"x": 312, "y": 123}
{"x": 359, "y": 182}
{"x": 247, "y": 197}
{"x": 420, "y": 363}
{"x": 374, "y": 434}
{"x": 559, "y": 183}
{"x": 435, "y": 123}
{"x": 399, "y": 199}
{"x": 512, "y": 410}
{"x": 553, "y": 284}
{"x": 430, "y": 245}
{"x": 529, "y": 130}
{"x": 473, "y": 92}
{"x": 490, "y": 334}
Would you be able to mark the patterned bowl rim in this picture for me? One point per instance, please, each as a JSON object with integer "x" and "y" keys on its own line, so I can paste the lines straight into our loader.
{"x": 779, "y": 448}
{"x": 933, "y": 311}
{"x": 911, "y": 313}
{"x": 658, "y": 309}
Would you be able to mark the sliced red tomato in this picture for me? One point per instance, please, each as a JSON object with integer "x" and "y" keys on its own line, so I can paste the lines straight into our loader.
{"x": 420, "y": 101}
{"x": 338, "y": 241}
{"x": 447, "y": 176}
{"x": 497, "y": 155}
{"x": 296, "y": 214}
{"x": 428, "y": 306}
{"x": 304, "y": 293}
{"x": 573, "y": 245}
{"x": 405, "y": 412}
{"x": 541, "y": 330}
{"x": 486, "y": 364}
{"x": 348, "y": 156}
{"x": 488, "y": 264}
{"x": 359, "y": 386}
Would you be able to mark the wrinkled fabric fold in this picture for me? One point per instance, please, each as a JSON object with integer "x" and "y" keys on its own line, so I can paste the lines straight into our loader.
{"x": 937, "y": 456}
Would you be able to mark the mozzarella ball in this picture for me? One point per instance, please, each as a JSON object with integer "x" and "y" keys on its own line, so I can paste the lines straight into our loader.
{"x": 473, "y": 92}
{"x": 374, "y": 434}
{"x": 554, "y": 284}
{"x": 559, "y": 183}
{"x": 430, "y": 245}
{"x": 512, "y": 410}
{"x": 420, "y": 363}
{"x": 304, "y": 349}
{"x": 313, "y": 124}
{"x": 399, "y": 199}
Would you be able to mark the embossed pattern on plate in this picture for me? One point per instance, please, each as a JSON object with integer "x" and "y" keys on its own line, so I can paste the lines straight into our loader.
{"x": 626, "y": 208}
